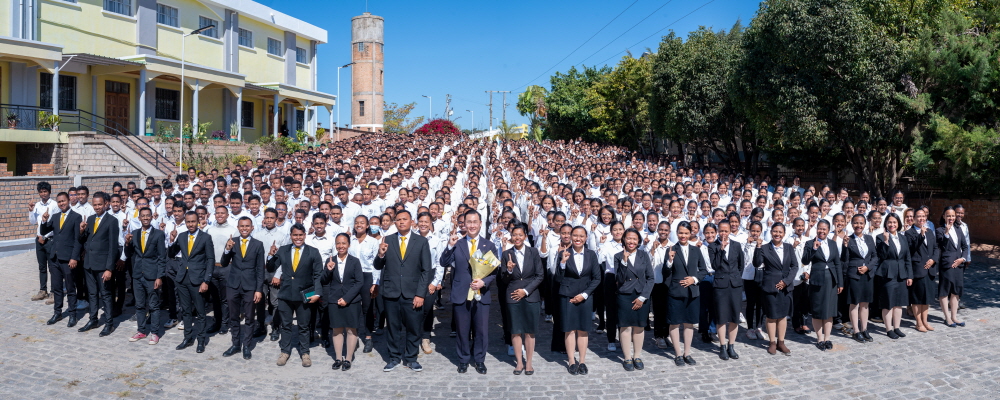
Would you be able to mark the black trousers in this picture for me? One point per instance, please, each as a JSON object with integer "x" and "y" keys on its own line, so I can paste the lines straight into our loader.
{"x": 472, "y": 317}
{"x": 404, "y": 328}
{"x": 502, "y": 296}
{"x": 800, "y": 305}
{"x": 558, "y": 336}
{"x": 755, "y": 304}
{"x": 429, "y": 314}
{"x": 99, "y": 294}
{"x": 80, "y": 277}
{"x": 241, "y": 304}
{"x": 294, "y": 311}
{"x": 117, "y": 286}
{"x": 600, "y": 300}
{"x": 42, "y": 256}
{"x": 611, "y": 307}
{"x": 193, "y": 306}
{"x": 659, "y": 298}
{"x": 217, "y": 294}
{"x": 168, "y": 298}
{"x": 706, "y": 315}
{"x": 63, "y": 285}
{"x": 367, "y": 307}
{"x": 147, "y": 306}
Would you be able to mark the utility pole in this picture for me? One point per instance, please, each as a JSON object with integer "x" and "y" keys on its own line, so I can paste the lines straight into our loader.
{"x": 447, "y": 107}
{"x": 505, "y": 104}
{"x": 491, "y": 108}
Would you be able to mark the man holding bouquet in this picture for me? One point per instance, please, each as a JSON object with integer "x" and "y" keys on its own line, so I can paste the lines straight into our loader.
{"x": 471, "y": 308}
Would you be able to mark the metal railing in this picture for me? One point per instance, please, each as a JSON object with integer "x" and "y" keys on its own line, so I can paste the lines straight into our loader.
{"x": 32, "y": 118}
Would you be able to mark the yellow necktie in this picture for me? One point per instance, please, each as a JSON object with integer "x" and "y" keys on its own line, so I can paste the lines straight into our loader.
{"x": 190, "y": 244}
{"x": 62, "y": 219}
{"x": 135, "y": 214}
{"x": 97, "y": 222}
{"x": 243, "y": 247}
{"x": 295, "y": 260}
{"x": 142, "y": 244}
{"x": 472, "y": 250}
{"x": 402, "y": 247}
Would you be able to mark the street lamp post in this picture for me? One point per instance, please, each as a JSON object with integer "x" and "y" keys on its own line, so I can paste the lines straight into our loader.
{"x": 473, "y": 120}
{"x": 338, "y": 98}
{"x": 180, "y": 161}
{"x": 430, "y": 107}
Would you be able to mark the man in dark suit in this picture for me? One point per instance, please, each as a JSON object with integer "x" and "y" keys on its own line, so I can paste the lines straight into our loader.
{"x": 405, "y": 262}
{"x": 469, "y": 312}
{"x": 246, "y": 281}
{"x": 64, "y": 256}
{"x": 301, "y": 269}
{"x": 147, "y": 248}
{"x": 99, "y": 234}
{"x": 194, "y": 271}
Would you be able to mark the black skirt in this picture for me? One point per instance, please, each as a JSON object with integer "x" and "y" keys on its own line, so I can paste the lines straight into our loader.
{"x": 860, "y": 290}
{"x": 923, "y": 291}
{"x": 728, "y": 305}
{"x": 576, "y": 317}
{"x": 893, "y": 293}
{"x": 778, "y": 305}
{"x": 344, "y": 317}
{"x": 627, "y": 316}
{"x": 822, "y": 300}
{"x": 952, "y": 282}
{"x": 523, "y": 317}
{"x": 682, "y": 310}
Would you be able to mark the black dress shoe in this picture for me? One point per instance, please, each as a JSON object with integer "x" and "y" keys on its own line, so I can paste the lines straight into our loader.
{"x": 574, "y": 369}
{"x": 689, "y": 360}
{"x": 723, "y": 353}
{"x": 638, "y": 364}
{"x": 892, "y": 335}
{"x": 582, "y": 370}
{"x": 679, "y": 361}
{"x": 108, "y": 329}
{"x": 868, "y": 337}
{"x": 899, "y": 332}
{"x": 214, "y": 329}
{"x": 259, "y": 333}
{"x": 462, "y": 368}
{"x": 201, "y": 346}
{"x": 627, "y": 364}
{"x": 185, "y": 344}
{"x": 858, "y": 337}
{"x": 821, "y": 346}
{"x": 369, "y": 345}
{"x": 275, "y": 336}
{"x": 337, "y": 365}
{"x": 481, "y": 368}
{"x": 529, "y": 372}
{"x": 346, "y": 366}
{"x": 91, "y": 324}
{"x": 829, "y": 345}
{"x": 731, "y": 349}
{"x": 55, "y": 318}
{"x": 231, "y": 350}
{"x": 72, "y": 321}
{"x": 246, "y": 354}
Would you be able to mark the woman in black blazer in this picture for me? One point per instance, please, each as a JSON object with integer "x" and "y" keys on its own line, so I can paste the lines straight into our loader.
{"x": 684, "y": 265}
{"x": 859, "y": 260}
{"x": 894, "y": 274}
{"x": 952, "y": 244}
{"x": 728, "y": 262}
{"x": 519, "y": 280}
{"x": 634, "y": 280}
{"x": 577, "y": 277}
{"x": 780, "y": 268}
{"x": 825, "y": 282}
{"x": 924, "y": 257}
{"x": 342, "y": 280}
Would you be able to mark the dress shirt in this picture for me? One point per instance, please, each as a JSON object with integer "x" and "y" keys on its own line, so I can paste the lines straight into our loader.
{"x": 748, "y": 269}
{"x": 325, "y": 244}
{"x": 578, "y": 260}
{"x": 220, "y": 234}
{"x": 519, "y": 259}
{"x": 36, "y": 213}
{"x": 606, "y": 256}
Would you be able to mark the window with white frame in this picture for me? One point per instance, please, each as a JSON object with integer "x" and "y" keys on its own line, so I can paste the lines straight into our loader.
{"x": 123, "y": 7}
{"x": 247, "y": 115}
{"x": 274, "y": 47}
{"x": 67, "y": 91}
{"x": 167, "y": 15}
{"x": 300, "y": 55}
{"x": 212, "y": 33}
{"x": 246, "y": 38}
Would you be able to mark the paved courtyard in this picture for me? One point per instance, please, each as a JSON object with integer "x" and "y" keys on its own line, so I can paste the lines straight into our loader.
{"x": 40, "y": 361}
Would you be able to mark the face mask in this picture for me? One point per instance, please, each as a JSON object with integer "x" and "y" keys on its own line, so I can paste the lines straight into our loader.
{"x": 374, "y": 230}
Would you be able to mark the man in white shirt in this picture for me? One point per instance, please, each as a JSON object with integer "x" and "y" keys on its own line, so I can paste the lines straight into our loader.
{"x": 271, "y": 235}
{"x": 220, "y": 232}
{"x": 45, "y": 205}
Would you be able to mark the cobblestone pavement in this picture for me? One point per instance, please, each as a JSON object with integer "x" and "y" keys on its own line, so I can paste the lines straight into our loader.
{"x": 40, "y": 361}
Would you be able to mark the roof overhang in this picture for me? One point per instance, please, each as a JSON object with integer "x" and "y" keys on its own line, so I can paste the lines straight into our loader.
{"x": 43, "y": 54}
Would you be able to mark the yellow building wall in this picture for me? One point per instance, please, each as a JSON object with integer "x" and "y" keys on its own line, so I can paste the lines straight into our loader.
{"x": 258, "y": 65}
{"x": 85, "y": 27}
{"x": 9, "y": 150}
{"x": 254, "y": 133}
{"x": 202, "y": 50}
{"x": 4, "y": 84}
{"x": 303, "y": 76}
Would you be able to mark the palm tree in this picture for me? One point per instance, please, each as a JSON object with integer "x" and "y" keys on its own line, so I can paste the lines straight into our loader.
{"x": 531, "y": 103}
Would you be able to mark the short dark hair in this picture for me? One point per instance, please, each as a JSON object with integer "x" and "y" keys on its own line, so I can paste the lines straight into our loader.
{"x": 297, "y": 227}
{"x": 43, "y": 186}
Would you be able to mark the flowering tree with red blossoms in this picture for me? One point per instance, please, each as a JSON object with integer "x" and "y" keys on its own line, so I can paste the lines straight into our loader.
{"x": 438, "y": 127}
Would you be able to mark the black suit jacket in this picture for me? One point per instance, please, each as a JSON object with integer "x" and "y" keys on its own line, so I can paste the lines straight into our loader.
{"x": 66, "y": 240}
{"x": 634, "y": 278}
{"x": 949, "y": 252}
{"x": 461, "y": 276}
{"x": 851, "y": 257}
{"x": 305, "y": 276}
{"x": 350, "y": 288}
{"x": 528, "y": 276}
{"x": 406, "y": 278}
{"x": 728, "y": 270}
{"x": 586, "y": 281}
{"x": 152, "y": 263}
{"x": 101, "y": 246}
{"x": 776, "y": 269}
{"x": 247, "y": 273}
{"x": 820, "y": 263}
{"x": 678, "y": 270}
{"x": 920, "y": 252}
{"x": 196, "y": 267}
{"x": 893, "y": 263}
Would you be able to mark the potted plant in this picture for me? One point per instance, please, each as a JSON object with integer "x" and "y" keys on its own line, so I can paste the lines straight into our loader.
{"x": 43, "y": 123}
{"x": 234, "y": 128}
{"x": 220, "y": 135}
{"x": 149, "y": 126}
{"x": 11, "y": 120}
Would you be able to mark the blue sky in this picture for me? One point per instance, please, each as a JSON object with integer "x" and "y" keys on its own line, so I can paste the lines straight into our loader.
{"x": 464, "y": 48}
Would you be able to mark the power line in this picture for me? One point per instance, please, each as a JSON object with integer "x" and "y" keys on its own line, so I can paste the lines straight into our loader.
{"x": 578, "y": 47}
{"x": 627, "y": 31}
{"x": 657, "y": 32}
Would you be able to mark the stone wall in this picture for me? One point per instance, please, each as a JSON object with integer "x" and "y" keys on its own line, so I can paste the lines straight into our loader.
{"x": 214, "y": 148}
{"x": 87, "y": 153}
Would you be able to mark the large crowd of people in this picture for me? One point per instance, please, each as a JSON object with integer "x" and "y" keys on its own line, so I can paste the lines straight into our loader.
{"x": 347, "y": 240}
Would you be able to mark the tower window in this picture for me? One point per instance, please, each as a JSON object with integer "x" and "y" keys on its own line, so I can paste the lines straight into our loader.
{"x": 361, "y": 108}
{"x": 361, "y": 47}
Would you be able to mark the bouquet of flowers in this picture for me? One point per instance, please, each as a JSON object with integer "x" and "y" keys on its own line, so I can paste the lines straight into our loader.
{"x": 482, "y": 266}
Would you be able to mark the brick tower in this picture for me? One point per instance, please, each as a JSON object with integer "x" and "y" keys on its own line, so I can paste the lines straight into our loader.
{"x": 367, "y": 95}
